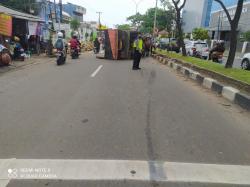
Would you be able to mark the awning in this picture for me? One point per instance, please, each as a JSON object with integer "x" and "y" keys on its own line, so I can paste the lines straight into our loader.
{"x": 20, "y": 15}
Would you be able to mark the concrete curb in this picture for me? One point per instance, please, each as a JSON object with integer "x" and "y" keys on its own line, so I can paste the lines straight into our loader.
{"x": 242, "y": 100}
{"x": 217, "y": 87}
{"x": 227, "y": 92}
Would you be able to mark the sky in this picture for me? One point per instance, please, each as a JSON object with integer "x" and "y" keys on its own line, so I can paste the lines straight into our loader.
{"x": 114, "y": 11}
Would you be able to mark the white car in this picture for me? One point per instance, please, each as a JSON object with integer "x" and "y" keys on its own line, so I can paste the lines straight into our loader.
{"x": 245, "y": 62}
{"x": 199, "y": 46}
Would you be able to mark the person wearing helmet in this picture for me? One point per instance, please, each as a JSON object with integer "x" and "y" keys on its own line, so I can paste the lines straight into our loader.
{"x": 60, "y": 43}
{"x": 73, "y": 42}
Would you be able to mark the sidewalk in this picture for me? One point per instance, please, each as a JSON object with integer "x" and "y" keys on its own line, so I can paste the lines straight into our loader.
{"x": 18, "y": 64}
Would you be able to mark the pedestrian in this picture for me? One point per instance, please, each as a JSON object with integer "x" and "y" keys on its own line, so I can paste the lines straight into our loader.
{"x": 138, "y": 47}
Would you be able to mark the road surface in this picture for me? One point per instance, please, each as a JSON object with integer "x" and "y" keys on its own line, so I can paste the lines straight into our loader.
{"x": 96, "y": 122}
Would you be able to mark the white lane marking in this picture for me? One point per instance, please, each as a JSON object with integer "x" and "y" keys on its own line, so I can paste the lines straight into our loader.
{"x": 124, "y": 169}
{"x": 4, "y": 183}
{"x": 96, "y": 71}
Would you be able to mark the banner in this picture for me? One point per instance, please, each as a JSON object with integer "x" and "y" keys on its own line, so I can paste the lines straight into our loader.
{"x": 34, "y": 28}
{"x": 5, "y": 25}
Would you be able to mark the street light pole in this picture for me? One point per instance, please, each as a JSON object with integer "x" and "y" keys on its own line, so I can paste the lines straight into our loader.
{"x": 99, "y": 19}
{"x": 137, "y": 5}
{"x": 156, "y": 5}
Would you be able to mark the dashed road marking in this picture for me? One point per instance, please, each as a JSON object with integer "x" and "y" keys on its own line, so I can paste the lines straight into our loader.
{"x": 124, "y": 170}
{"x": 96, "y": 71}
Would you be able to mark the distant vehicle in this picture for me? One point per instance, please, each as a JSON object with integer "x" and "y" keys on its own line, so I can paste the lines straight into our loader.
{"x": 194, "y": 47}
{"x": 164, "y": 42}
{"x": 245, "y": 63}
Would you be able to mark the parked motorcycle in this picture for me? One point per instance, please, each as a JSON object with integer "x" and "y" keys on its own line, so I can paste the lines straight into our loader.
{"x": 196, "y": 54}
{"x": 5, "y": 57}
{"x": 17, "y": 53}
{"x": 217, "y": 57}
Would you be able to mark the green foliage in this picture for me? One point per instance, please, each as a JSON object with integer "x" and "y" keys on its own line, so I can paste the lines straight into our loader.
{"x": 246, "y": 36}
{"x": 75, "y": 24}
{"x": 235, "y": 73}
{"x": 135, "y": 19}
{"x": 125, "y": 27}
{"x": 146, "y": 21}
{"x": 200, "y": 34}
{"x": 22, "y": 5}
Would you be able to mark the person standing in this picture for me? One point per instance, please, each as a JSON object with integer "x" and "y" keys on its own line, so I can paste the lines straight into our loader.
{"x": 138, "y": 47}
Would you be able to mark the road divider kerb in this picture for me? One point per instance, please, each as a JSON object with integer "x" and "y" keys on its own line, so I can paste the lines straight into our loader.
{"x": 230, "y": 93}
{"x": 208, "y": 82}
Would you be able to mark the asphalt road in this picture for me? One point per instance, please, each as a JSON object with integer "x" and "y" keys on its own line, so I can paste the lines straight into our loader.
{"x": 93, "y": 109}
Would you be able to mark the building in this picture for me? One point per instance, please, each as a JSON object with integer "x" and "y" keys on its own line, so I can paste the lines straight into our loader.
{"x": 196, "y": 13}
{"x": 228, "y": 3}
{"x": 219, "y": 24}
{"x": 87, "y": 28}
{"x": 15, "y": 23}
{"x": 75, "y": 11}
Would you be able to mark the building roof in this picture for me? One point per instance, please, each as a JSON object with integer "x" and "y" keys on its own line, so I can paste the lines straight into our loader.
{"x": 66, "y": 14}
{"x": 20, "y": 15}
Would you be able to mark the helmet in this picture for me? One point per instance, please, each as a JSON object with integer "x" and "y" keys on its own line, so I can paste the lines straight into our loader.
{"x": 16, "y": 39}
{"x": 60, "y": 35}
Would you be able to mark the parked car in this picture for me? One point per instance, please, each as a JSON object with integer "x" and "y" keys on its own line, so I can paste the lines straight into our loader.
{"x": 245, "y": 63}
{"x": 194, "y": 47}
{"x": 164, "y": 43}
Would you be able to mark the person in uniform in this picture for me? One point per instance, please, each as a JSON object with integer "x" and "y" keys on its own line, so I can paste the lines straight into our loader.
{"x": 138, "y": 47}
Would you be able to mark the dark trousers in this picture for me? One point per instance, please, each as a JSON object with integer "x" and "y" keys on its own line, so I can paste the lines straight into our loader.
{"x": 137, "y": 59}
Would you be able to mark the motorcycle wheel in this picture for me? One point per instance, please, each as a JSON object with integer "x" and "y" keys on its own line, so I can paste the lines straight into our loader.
{"x": 59, "y": 61}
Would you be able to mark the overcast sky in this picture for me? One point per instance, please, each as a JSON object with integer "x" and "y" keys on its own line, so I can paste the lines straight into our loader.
{"x": 114, "y": 11}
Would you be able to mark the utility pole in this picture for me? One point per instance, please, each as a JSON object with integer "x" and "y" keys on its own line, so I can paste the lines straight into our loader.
{"x": 61, "y": 10}
{"x": 99, "y": 19}
{"x": 218, "y": 29}
{"x": 137, "y": 5}
{"x": 156, "y": 5}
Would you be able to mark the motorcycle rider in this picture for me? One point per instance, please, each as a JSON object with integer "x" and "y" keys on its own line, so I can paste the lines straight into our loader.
{"x": 74, "y": 44}
{"x": 60, "y": 44}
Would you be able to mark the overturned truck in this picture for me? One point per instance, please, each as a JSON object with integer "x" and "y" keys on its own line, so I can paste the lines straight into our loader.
{"x": 119, "y": 44}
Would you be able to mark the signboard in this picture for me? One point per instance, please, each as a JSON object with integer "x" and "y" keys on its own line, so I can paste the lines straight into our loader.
{"x": 5, "y": 25}
{"x": 34, "y": 28}
{"x": 32, "y": 25}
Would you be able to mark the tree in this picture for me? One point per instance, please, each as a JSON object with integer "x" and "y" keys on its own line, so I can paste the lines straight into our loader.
{"x": 178, "y": 8}
{"x": 135, "y": 19}
{"x": 146, "y": 22}
{"x": 22, "y": 5}
{"x": 200, "y": 34}
{"x": 125, "y": 27}
{"x": 75, "y": 24}
{"x": 234, "y": 23}
{"x": 246, "y": 36}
